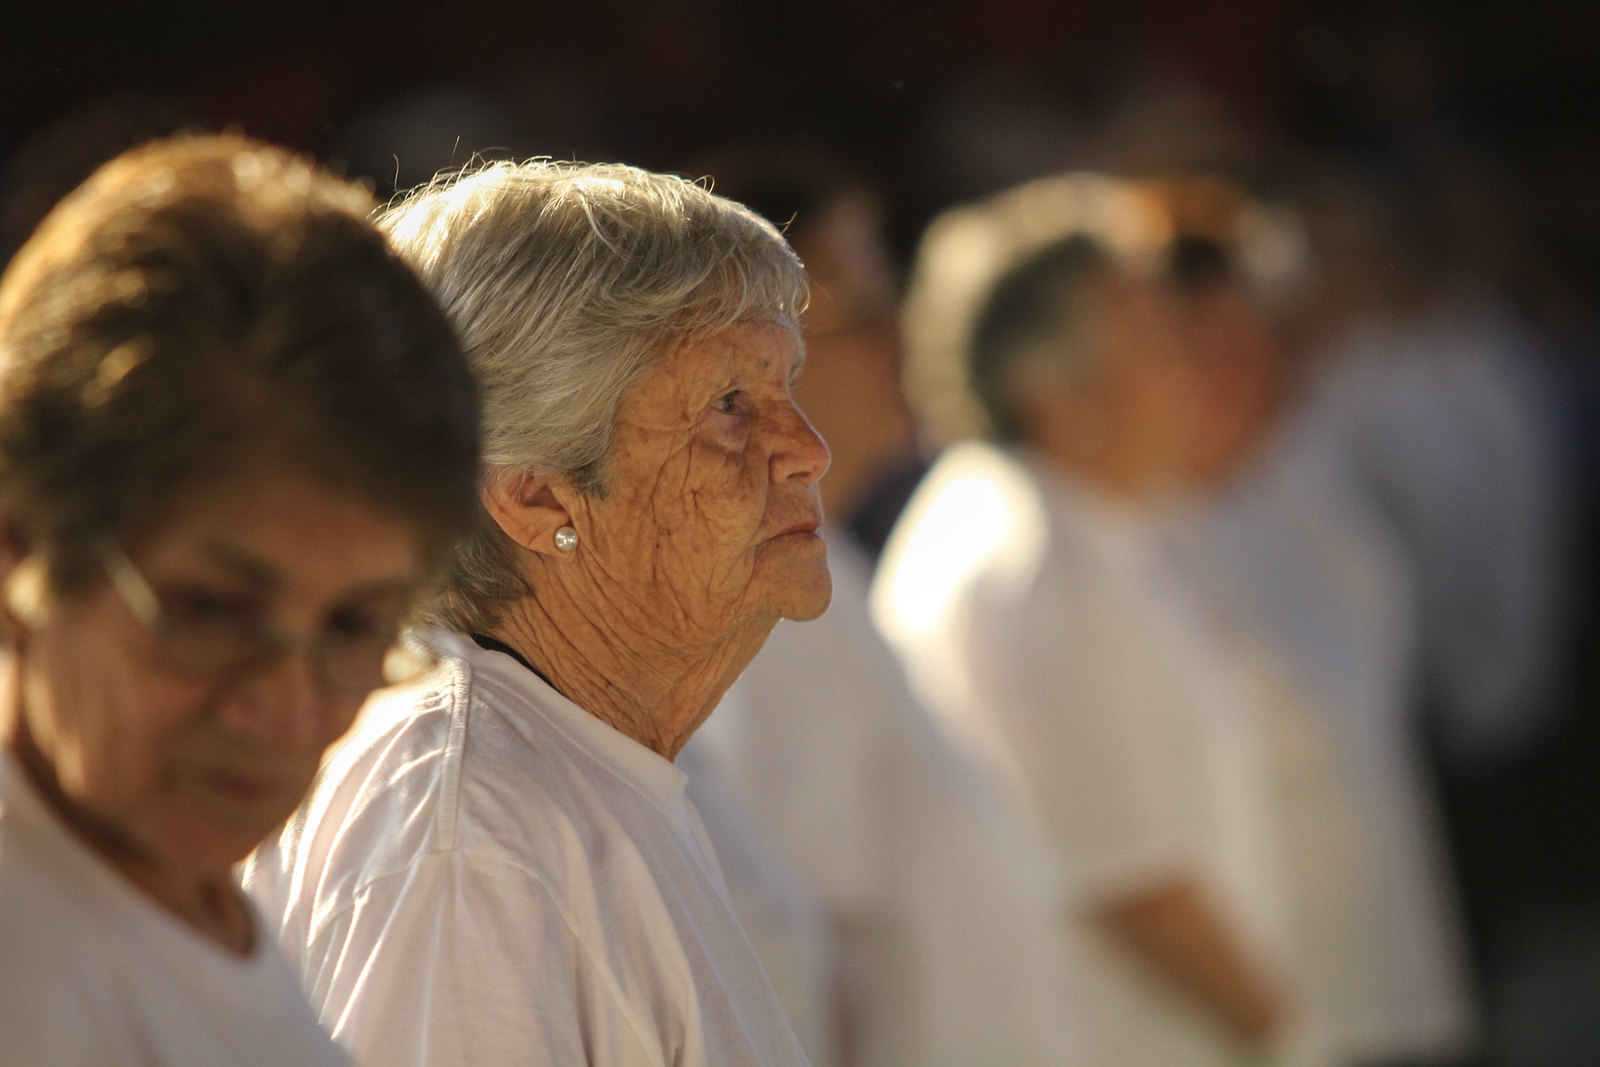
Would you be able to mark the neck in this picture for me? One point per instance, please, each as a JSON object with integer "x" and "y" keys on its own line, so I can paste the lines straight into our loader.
{"x": 210, "y": 902}
{"x": 1112, "y": 472}
{"x": 648, "y": 682}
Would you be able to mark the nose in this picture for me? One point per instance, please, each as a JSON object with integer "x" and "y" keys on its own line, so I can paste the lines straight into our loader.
{"x": 279, "y": 701}
{"x": 799, "y": 453}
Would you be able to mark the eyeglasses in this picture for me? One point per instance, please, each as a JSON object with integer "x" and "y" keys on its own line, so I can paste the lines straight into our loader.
{"x": 206, "y": 633}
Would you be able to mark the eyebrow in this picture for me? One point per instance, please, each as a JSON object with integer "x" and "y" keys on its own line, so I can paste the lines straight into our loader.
{"x": 260, "y": 573}
{"x": 247, "y": 565}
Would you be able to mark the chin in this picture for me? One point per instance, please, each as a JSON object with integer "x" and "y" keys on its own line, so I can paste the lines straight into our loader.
{"x": 217, "y": 838}
{"x": 811, "y": 599}
{"x": 794, "y": 583}
{"x": 204, "y": 849}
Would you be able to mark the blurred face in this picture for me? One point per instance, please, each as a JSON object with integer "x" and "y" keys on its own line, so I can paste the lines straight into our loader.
{"x": 711, "y": 515}
{"x": 1127, "y": 422}
{"x": 177, "y": 731}
{"x": 1240, "y": 375}
{"x": 1149, "y": 389}
{"x": 851, "y": 388}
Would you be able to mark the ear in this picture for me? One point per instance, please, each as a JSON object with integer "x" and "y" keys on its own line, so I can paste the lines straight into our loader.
{"x": 530, "y": 508}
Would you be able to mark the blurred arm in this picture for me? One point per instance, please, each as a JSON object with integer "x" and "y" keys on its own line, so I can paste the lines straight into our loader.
{"x": 1176, "y": 933}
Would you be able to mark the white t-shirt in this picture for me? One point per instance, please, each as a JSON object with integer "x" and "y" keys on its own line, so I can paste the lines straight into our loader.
{"x": 1296, "y": 563}
{"x": 1441, "y": 413}
{"x": 487, "y": 874}
{"x": 785, "y": 925}
{"x": 1050, "y": 625}
{"x": 93, "y": 972}
{"x": 943, "y": 933}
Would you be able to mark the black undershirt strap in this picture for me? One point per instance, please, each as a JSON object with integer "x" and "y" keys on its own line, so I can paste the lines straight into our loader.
{"x": 490, "y": 644}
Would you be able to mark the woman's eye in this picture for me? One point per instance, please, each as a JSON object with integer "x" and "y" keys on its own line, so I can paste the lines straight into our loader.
{"x": 367, "y": 622}
{"x": 356, "y": 624}
{"x": 196, "y": 609}
{"x": 204, "y": 604}
{"x": 727, "y": 402}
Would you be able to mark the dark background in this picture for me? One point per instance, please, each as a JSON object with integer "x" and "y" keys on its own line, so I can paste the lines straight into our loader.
{"x": 655, "y": 83}
{"x": 946, "y": 99}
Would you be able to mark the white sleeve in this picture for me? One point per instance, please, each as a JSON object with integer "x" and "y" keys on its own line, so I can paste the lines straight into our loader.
{"x": 466, "y": 959}
{"x": 1090, "y": 700}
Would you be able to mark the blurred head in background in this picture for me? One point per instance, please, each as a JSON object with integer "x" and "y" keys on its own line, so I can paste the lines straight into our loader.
{"x": 236, "y": 439}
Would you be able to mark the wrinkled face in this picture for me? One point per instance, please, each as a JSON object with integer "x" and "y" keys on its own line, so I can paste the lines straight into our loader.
{"x": 1239, "y": 372}
{"x": 155, "y": 760}
{"x": 711, "y": 512}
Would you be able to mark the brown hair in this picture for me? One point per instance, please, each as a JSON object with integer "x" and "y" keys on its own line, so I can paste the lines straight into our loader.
{"x": 202, "y": 301}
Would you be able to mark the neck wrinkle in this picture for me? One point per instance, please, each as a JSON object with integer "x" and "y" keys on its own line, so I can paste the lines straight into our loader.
{"x": 637, "y": 682}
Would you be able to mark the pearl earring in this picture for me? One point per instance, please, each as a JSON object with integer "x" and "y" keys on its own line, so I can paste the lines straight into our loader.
{"x": 566, "y": 539}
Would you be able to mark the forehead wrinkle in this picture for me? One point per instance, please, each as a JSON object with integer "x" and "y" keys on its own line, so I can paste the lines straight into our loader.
{"x": 768, "y": 350}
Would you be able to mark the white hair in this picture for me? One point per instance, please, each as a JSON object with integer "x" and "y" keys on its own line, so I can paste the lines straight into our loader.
{"x": 968, "y": 249}
{"x": 565, "y": 281}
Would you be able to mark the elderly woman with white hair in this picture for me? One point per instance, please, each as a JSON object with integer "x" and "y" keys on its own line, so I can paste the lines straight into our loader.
{"x": 500, "y": 866}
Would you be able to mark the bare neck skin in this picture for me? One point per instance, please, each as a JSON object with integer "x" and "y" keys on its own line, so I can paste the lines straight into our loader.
{"x": 208, "y": 901}
{"x": 630, "y": 671}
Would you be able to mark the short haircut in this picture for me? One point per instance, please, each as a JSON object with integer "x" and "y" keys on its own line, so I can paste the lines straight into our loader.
{"x": 963, "y": 255}
{"x": 1033, "y": 315}
{"x": 204, "y": 302}
{"x": 565, "y": 282}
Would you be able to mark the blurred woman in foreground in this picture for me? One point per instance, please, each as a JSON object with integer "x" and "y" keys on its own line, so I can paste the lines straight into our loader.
{"x": 214, "y": 517}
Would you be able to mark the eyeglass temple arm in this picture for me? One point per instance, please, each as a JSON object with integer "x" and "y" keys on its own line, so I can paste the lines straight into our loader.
{"x": 140, "y": 598}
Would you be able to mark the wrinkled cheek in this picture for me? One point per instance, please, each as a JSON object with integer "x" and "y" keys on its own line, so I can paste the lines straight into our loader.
{"x": 721, "y": 522}
{"x": 711, "y": 585}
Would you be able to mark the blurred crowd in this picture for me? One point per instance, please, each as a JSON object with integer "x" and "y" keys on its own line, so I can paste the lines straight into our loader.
{"x": 1212, "y": 522}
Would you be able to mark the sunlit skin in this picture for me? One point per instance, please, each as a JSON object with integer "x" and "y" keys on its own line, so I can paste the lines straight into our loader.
{"x": 706, "y": 535}
{"x": 174, "y": 776}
